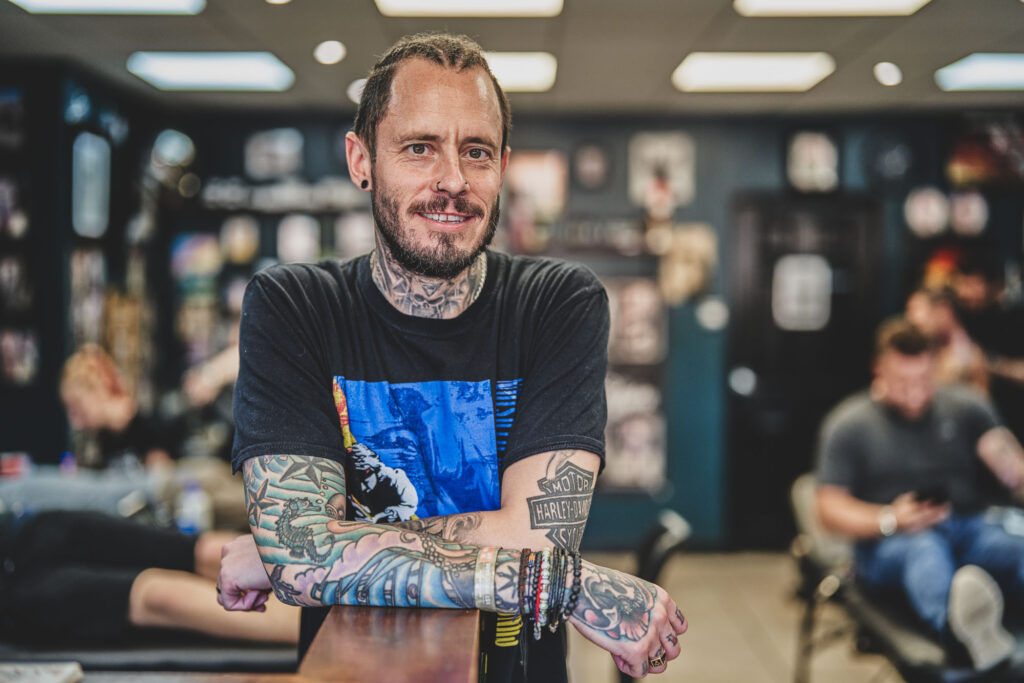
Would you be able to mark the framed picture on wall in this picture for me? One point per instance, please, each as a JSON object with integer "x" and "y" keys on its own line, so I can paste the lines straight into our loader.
{"x": 812, "y": 161}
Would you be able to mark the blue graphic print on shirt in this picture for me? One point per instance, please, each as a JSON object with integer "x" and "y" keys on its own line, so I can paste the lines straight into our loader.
{"x": 430, "y": 447}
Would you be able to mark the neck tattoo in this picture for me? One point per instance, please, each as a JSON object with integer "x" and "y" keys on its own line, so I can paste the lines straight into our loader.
{"x": 427, "y": 297}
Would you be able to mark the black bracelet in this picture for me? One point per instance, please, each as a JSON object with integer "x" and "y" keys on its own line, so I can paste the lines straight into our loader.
{"x": 558, "y": 589}
{"x": 524, "y": 560}
{"x": 577, "y": 582}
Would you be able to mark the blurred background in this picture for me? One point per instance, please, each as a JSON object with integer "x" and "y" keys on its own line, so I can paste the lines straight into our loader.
{"x": 759, "y": 183}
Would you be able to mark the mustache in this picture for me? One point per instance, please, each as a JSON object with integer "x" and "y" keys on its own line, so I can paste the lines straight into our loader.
{"x": 439, "y": 204}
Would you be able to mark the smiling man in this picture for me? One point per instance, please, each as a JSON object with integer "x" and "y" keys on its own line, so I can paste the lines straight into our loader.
{"x": 423, "y": 426}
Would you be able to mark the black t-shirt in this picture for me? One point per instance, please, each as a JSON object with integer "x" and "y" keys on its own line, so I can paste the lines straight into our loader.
{"x": 876, "y": 454}
{"x": 438, "y": 408}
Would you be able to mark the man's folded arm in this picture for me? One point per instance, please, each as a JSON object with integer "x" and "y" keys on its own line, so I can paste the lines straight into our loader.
{"x": 545, "y": 503}
{"x": 296, "y": 507}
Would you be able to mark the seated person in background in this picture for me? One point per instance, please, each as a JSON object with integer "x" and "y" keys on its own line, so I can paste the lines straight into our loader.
{"x": 957, "y": 357}
{"x": 84, "y": 578}
{"x": 96, "y": 398}
{"x": 996, "y": 325}
{"x": 902, "y": 470}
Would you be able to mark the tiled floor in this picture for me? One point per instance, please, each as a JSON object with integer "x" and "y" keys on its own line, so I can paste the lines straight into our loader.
{"x": 743, "y": 626}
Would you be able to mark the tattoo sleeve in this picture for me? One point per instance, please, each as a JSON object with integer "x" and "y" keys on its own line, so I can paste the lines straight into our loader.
{"x": 296, "y": 507}
{"x": 563, "y": 506}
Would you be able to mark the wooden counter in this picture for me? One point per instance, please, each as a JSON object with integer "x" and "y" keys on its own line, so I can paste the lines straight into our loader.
{"x": 394, "y": 645}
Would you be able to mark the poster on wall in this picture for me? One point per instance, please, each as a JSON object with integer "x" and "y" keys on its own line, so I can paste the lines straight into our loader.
{"x": 662, "y": 173}
{"x": 639, "y": 327}
{"x": 19, "y": 356}
{"x": 536, "y": 188}
{"x": 88, "y": 280}
{"x": 273, "y": 153}
{"x": 635, "y": 436}
{"x": 15, "y": 289}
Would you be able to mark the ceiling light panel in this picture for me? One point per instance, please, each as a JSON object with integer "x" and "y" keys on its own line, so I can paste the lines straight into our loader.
{"x": 330, "y": 52}
{"x": 111, "y": 6}
{"x": 523, "y": 71}
{"x": 233, "y": 71}
{"x": 983, "y": 71}
{"x": 469, "y": 8}
{"x": 752, "y": 71}
{"x": 828, "y": 8}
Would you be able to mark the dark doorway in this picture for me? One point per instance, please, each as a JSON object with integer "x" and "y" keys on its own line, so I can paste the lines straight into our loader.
{"x": 805, "y": 299}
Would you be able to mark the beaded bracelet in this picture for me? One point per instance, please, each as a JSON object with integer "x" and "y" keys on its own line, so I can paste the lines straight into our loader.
{"x": 528, "y": 593}
{"x": 574, "y": 594}
{"x": 524, "y": 559}
{"x": 543, "y": 593}
{"x": 558, "y": 561}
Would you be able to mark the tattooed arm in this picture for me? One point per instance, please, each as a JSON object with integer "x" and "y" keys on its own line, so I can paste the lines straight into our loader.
{"x": 314, "y": 557}
{"x": 1002, "y": 453}
{"x": 545, "y": 502}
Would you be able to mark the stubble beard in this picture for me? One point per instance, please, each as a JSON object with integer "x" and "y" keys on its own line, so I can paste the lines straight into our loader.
{"x": 443, "y": 259}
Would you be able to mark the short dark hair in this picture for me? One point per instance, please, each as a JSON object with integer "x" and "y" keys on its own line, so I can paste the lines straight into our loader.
{"x": 451, "y": 51}
{"x": 899, "y": 335}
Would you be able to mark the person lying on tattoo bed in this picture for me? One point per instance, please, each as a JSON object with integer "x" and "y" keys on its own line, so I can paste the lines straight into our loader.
{"x": 87, "y": 578}
{"x": 478, "y": 375}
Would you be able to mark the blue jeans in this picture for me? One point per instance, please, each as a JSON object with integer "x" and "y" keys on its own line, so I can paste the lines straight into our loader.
{"x": 922, "y": 564}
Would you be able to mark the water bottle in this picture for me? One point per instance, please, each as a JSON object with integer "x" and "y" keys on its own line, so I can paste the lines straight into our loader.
{"x": 194, "y": 512}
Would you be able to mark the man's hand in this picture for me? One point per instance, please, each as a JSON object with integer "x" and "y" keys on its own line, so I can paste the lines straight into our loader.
{"x": 913, "y": 515}
{"x": 242, "y": 584}
{"x": 634, "y": 620}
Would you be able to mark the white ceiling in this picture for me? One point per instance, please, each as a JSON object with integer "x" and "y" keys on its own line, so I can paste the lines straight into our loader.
{"x": 614, "y": 56}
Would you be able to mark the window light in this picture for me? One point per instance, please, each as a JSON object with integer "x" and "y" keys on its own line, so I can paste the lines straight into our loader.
{"x": 828, "y": 8}
{"x": 111, "y": 6}
{"x": 470, "y": 8}
{"x": 983, "y": 71}
{"x": 752, "y": 71}
{"x": 523, "y": 71}
{"x": 241, "y": 71}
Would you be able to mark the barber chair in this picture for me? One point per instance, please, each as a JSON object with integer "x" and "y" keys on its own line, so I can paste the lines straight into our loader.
{"x": 882, "y": 624}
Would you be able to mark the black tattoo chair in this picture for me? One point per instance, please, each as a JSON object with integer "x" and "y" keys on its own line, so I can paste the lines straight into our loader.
{"x": 880, "y": 624}
{"x": 666, "y": 536}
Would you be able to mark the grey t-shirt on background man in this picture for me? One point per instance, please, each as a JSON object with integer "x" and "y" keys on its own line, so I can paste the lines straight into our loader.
{"x": 877, "y": 454}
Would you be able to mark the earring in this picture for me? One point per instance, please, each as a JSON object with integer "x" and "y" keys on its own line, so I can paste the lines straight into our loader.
{"x": 365, "y": 184}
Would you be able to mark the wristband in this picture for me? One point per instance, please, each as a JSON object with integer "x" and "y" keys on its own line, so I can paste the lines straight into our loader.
{"x": 887, "y": 523}
{"x": 483, "y": 579}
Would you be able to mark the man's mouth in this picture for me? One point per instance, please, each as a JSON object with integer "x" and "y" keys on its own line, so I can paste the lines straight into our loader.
{"x": 447, "y": 218}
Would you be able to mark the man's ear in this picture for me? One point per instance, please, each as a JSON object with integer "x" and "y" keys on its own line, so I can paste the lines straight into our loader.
{"x": 360, "y": 163}
{"x": 504, "y": 161}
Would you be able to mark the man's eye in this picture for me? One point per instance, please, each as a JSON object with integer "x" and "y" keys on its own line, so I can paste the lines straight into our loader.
{"x": 418, "y": 148}
{"x": 477, "y": 153}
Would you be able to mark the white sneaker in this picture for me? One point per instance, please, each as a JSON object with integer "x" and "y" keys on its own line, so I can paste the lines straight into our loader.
{"x": 976, "y": 617}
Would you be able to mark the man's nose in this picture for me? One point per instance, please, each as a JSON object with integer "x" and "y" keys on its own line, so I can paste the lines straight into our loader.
{"x": 451, "y": 180}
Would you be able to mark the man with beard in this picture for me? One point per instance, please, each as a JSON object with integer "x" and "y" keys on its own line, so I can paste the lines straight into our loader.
{"x": 918, "y": 476}
{"x": 496, "y": 363}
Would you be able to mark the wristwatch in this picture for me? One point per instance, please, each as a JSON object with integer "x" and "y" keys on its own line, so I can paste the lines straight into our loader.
{"x": 887, "y": 521}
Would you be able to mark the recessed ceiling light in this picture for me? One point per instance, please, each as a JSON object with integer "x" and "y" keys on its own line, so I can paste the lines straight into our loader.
{"x": 752, "y": 71}
{"x": 523, "y": 71}
{"x": 241, "y": 71}
{"x": 888, "y": 73}
{"x": 329, "y": 52}
{"x": 469, "y": 8}
{"x": 828, "y": 8}
{"x": 111, "y": 6}
{"x": 355, "y": 89}
{"x": 983, "y": 71}
{"x": 278, "y": 2}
